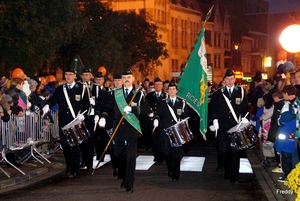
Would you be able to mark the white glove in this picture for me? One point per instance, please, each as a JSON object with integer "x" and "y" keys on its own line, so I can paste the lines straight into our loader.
{"x": 81, "y": 117}
{"x": 96, "y": 119}
{"x": 212, "y": 128}
{"x": 102, "y": 122}
{"x": 155, "y": 123}
{"x": 216, "y": 124}
{"x": 245, "y": 120}
{"x": 28, "y": 105}
{"x": 92, "y": 101}
{"x": 46, "y": 109}
{"x": 127, "y": 109}
{"x": 151, "y": 115}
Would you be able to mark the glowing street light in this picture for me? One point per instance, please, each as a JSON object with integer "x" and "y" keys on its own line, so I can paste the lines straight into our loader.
{"x": 290, "y": 38}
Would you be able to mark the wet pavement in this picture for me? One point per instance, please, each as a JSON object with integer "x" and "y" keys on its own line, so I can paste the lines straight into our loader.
{"x": 46, "y": 181}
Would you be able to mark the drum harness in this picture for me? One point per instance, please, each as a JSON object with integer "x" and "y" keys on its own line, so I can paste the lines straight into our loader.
{"x": 172, "y": 111}
{"x": 68, "y": 100}
{"x": 230, "y": 106}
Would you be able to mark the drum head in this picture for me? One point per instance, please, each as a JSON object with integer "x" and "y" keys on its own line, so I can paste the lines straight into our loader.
{"x": 238, "y": 127}
{"x": 71, "y": 124}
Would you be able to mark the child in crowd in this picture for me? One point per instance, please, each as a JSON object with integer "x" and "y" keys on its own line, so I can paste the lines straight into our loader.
{"x": 278, "y": 104}
{"x": 285, "y": 143}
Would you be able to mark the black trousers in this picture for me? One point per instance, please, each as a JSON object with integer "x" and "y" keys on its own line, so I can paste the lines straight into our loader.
{"x": 71, "y": 154}
{"x": 229, "y": 156}
{"x": 125, "y": 150}
{"x": 101, "y": 138}
{"x": 87, "y": 147}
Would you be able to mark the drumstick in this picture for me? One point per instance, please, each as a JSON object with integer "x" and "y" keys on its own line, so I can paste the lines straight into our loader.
{"x": 216, "y": 133}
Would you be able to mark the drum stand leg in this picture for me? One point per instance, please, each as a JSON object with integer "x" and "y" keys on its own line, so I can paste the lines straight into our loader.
{"x": 29, "y": 155}
{"x": 57, "y": 147}
{"x": 43, "y": 157}
{"x": 8, "y": 162}
{"x": 1, "y": 169}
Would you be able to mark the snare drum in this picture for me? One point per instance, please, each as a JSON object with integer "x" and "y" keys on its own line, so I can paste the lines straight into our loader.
{"x": 76, "y": 132}
{"x": 243, "y": 136}
{"x": 179, "y": 133}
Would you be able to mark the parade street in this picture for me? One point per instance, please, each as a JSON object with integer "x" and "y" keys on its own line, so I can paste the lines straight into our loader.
{"x": 200, "y": 183}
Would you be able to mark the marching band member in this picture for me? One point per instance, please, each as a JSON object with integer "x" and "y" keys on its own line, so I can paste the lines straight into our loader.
{"x": 103, "y": 108}
{"x": 72, "y": 99}
{"x": 127, "y": 133}
{"x": 155, "y": 99}
{"x": 224, "y": 118}
{"x": 87, "y": 147}
{"x": 169, "y": 112}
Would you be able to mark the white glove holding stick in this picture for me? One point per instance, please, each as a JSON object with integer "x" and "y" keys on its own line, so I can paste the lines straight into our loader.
{"x": 216, "y": 124}
{"x": 92, "y": 101}
{"x": 127, "y": 109}
{"x": 155, "y": 125}
{"x": 96, "y": 119}
{"x": 102, "y": 122}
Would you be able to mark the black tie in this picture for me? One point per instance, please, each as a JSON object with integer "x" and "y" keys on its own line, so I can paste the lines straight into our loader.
{"x": 157, "y": 96}
{"x": 173, "y": 102}
{"x": 69, "y": 86}
{"x": 229, "y": 92}
{"x": 126, "y": 93}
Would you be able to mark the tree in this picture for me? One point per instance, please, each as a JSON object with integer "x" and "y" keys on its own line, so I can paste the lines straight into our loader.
{"x": 116, "y": 40}
{"x": 34, "y": 30}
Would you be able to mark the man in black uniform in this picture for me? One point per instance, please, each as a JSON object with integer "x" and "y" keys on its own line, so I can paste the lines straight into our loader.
{"x": 224, "y": 119}
{"x": 169, "y": 112}
{"x": 87, "y": 147}
{"x": 103, "y": 108}
{"x": 127, "y": 133}
{"x": 77, "y": 94}
{"x": 154, "y": 99}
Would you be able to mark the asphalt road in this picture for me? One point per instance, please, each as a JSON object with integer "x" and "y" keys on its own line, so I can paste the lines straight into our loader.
{"x": 152, "y": 184}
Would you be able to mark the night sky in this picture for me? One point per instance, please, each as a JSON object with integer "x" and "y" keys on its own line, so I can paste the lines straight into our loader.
{"x": 282, "y": 6}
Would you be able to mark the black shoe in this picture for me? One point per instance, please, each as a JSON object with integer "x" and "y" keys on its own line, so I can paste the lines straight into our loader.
{"x": 82, "y": 166}
{"x": 89, "y": 168}
{"x": 68, "y": 173}
{"x": 123, "y": 185}
{"x": 234, "y": 182}
{"x": 226, "y": 176}
{"x": 115, "y": 173}
{"x": 219, "y": 169}
{"x": 72, "y": 176}
{"x": 129, "y": 190}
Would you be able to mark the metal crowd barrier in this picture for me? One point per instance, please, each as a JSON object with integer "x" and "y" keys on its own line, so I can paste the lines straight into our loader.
{"x": 29, "y": 132}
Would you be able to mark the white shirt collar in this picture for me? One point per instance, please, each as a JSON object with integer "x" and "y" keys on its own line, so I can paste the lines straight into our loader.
{"x": 71, "y": 85}
{"x": 129, "y": 89}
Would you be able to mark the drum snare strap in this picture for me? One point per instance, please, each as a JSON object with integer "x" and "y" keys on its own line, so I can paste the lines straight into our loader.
{"x": 231, "y": 109}
{"x": 68, "y": 102}
{"x": 172, "y": 112}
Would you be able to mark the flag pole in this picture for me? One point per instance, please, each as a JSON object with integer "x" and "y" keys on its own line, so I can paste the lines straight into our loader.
{"x": 208, "y": 15}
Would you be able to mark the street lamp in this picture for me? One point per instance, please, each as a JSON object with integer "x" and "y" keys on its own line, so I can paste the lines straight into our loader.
{"x": 290, "y": 38}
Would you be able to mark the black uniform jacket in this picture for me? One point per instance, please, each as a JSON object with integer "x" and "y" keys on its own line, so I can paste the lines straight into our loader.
{"x": 138, "y": 106}
{"x": 220, "y": 110}
{"x": 79, "y": 103}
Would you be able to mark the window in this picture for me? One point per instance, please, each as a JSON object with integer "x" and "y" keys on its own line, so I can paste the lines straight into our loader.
{"x": 174, "y": 32}
{"x": 217, "y": 62}
{"x": 184, "y": 33}
{"x": 208, "y": 37}
{"x": 175, "y": 67}
{"x": 217, "y": 39}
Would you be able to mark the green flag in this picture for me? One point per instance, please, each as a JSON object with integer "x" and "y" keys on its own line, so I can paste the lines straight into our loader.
{"x": 192, "y": 86}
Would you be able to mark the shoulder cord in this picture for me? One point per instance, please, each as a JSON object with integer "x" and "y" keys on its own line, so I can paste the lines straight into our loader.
{"x": 230, "y": 107}
{"x": 68, "y": 101}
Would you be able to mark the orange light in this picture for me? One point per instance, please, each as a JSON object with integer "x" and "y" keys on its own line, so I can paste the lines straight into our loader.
{"x": 239, "y": 74}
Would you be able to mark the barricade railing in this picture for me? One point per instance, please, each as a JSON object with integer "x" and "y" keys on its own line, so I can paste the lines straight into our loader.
{"x": 28, "y": 131}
